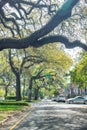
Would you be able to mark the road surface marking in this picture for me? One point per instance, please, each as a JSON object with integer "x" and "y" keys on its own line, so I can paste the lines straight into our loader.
{"x": 21, "y": 119}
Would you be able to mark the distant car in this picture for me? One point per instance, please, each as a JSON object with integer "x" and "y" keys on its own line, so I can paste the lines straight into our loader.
{"x": 53, "y": 99}
{"x": 77, "y": 99}
{"x": 61, "y": 98}
{"x": 2, "y": 98}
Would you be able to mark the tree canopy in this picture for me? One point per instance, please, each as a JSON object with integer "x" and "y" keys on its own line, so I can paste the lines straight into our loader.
{"x": 79, "y": 73}
{"x": 38, "y": 22}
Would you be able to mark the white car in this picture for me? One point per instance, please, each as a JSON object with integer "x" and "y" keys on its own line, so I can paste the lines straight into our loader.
{"x": 77, "y": 99}
{"x": 2, "y": 98}
{"x": 61, "y": 98}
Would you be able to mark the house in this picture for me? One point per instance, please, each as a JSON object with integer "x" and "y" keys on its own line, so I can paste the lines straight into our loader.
{"x": 73, "y": 90}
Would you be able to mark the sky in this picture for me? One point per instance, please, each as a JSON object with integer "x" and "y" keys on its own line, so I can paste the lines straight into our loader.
{"x": 74, "y": 53}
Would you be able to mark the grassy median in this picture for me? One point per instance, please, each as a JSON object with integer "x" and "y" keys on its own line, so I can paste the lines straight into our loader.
{"x": 9, "y": 107}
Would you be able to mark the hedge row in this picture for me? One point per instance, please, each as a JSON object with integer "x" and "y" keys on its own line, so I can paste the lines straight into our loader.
{"x": 11, "y": 97}
{"x": 14, "y": 103}
{"x": 14, "y": 98}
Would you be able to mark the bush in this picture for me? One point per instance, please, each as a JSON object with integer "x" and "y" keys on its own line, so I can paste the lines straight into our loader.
{"x": 25, "y": 98}
{"x": 11, "y": 97}
{"x": 20, "y": 103}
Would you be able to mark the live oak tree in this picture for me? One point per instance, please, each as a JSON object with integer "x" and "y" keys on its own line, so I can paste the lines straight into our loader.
{"x": 6, "y": 77}
{"x": 17, "y": 60}
{"x": 56, "y": 62}
{"x": 28, "y": 23}
{"x": 49, "y": 57}
{"x": 79, "y": 73}
{"x": 35, "y": 23}
{"x": 17, "y": 70}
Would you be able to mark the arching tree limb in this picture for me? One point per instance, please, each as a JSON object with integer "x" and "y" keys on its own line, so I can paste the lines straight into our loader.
{"x": 36, "y": 39}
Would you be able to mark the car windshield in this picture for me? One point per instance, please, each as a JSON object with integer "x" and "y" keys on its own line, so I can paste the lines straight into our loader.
{"x": 79, "y": 98}
{"x": 61, "y": 96}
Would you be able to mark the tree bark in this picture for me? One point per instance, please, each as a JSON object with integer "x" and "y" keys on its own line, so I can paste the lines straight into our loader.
{"x": 24, "y": 88}
{"x": 36, "y": 93}
{"x": 18, "y": 87}
{"x": 6, "y": 92}
{"x": 17, "y": 73}
{"x": 30, "y": 89}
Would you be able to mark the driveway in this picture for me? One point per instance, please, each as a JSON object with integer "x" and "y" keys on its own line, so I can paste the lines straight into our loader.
{"x": 49, "y": 115}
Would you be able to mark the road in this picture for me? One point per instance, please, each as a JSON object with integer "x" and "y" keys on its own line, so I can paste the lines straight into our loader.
{"x": 50, "y": 115}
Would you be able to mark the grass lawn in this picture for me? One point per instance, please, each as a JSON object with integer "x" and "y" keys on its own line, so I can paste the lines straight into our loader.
{"x": 10, "y": 107}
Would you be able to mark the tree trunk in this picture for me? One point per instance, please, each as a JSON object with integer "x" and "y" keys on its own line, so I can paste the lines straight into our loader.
{"x": 30, "y": 89}
{"x": 24, "y": 88}
{"x": 78, "y": 91}
{"x": 36, "y": 93}
{"x": 85, "y": 90}
{"x": 18, "y": 87}
{"x": 17, "y": 72}
{"x": 6, "y": 91}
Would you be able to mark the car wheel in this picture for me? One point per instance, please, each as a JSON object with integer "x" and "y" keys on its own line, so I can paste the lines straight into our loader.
{"x": 70, "y": 102}
{"x": 85, "y": 102}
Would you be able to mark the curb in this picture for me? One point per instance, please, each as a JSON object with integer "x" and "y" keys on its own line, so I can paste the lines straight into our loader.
{"x": 6, "y": 119}
{"x": 22, "y": 118}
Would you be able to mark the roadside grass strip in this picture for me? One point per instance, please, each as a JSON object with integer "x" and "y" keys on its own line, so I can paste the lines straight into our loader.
{"x": 10, "y": 107}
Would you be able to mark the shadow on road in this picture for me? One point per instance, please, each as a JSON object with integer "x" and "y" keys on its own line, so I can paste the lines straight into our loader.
{"x": 56, "y": 117}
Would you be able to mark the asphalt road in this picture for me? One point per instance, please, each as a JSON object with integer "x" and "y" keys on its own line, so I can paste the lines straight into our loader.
{"x": 49, "y": 115}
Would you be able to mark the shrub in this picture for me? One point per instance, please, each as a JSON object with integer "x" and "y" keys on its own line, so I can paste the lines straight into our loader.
{"x": 11, "y": 97}
{"x": 20, "y": 103}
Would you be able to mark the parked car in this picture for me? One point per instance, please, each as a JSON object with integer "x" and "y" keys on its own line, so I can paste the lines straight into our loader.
{"x": 77, "y": 99}
{"x": 61, "y": 98}
{"x": 53, "y": 99}
{"x": 2, "y": 98}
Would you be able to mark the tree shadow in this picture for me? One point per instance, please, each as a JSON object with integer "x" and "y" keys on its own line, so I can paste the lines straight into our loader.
{"x": 55, "y": 118}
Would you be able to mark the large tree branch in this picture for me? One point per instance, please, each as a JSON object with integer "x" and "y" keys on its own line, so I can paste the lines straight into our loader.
{"x": 62, "y": 14}
{"x": 13, "y": 2}
{"x": 62, "y": 39}
{"x": 19, "y": 44}
{"x": 13, "y": 68}
{"x": 36, "y": 39}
